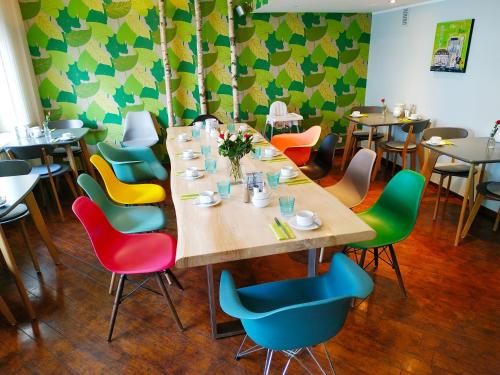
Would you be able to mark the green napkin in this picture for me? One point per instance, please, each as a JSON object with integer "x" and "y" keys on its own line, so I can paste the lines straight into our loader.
{"x": 279, "y": 233}
{"x": 185, "y": 197}
{"x": 447, "y": 142}
{"x": 298, "y": 181}
{"x": 275, "y": 159}
{"x": 406, "y": 120}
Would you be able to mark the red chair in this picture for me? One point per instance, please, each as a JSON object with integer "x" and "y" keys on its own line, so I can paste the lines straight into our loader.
{"x": 128, "y": 254}
{"x": 297, "y": 146}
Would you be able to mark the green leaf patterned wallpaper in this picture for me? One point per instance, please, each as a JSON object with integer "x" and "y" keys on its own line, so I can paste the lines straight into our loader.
{"x": 96, "y": 60}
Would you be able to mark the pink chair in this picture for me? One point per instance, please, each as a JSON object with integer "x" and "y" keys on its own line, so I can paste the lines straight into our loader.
{"x": 128, "y": 254}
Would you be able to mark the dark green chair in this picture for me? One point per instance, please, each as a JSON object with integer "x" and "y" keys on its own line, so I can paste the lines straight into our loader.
{"x": 392, "y": 217}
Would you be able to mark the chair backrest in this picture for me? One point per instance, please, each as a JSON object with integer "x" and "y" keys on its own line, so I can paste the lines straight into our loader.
{"x": 401, "y": 200}
{"x": 417, "y": 126}
{"x": 101, "y": 233}
{"x": 30, "y": 152}
{"x": 368, "y": 109}
{"x": 107, "y": 174}
{"x": 278, "y": 109}
{"x": 445, "y": 133}
{"x": 326, "y": 152}
{"x": 354, "y": 185}
{"x": 14, "y": 168}
{"x": 203, "y": 118}
{"x": 112, "y": 153}
{"x": 95, "y": 192}
{"x": 139, "y": 125}
{"x": 66, "y": 124}
{"x": 297, "y": 146}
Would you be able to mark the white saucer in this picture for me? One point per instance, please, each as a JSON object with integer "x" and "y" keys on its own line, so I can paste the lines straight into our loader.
{"x": 183, "y": 140}
{"x": 293, "y": 223}
{"x": 277, "y": 153}
{"x": 257, "y": 140}
{"x": 191, "y": 158}
{"x": 63, "y": 139}
{"x": 200, "y": 175}
{"x": 440, "y": 143}
{"x": 355, "y": 116}
{"x": 217, "y": 200}
{"x": 286, "y": 178}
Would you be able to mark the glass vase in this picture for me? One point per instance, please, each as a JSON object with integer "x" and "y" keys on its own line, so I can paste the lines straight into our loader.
{"x": 491, "y": 143}
{"x": 234, "y": 170}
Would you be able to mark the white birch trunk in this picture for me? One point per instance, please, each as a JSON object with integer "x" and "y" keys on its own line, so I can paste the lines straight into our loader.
{"x": 166, "y": 64}
{"x": 232, "y": 46}
{"x": 199, "y": 66}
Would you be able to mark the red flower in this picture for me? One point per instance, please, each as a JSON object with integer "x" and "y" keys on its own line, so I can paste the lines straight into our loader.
{"x": 498, "y": 122}
{"x": 221, "y": 135}
{"x": 246, "y": 135}
{"x": 382, "y": 100}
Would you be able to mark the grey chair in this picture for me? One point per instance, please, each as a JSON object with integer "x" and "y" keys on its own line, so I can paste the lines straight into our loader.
{"x": 46, "y": 170}
{"x": 139, "y": 130}
{"x": 445, "y": 170}
{"x": 403, "y": 148}
{"x": 362, "y": 135}
{"x": 20, "y": 212}
{"x": 353, "y": 188}
{"x": 488, "y": 190}
{"x": 66, "y": 124}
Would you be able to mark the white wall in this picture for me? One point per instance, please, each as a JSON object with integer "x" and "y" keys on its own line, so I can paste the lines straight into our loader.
{"x": 400, "y": 57}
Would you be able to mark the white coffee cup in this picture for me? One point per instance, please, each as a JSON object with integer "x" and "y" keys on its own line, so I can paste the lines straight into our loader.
{"x": 269, "y": 152}
{"x": 206, "y": 197}
{"x": 305, "y": 218}
{"x": 187, "y": 154}
{"x": 414, "y": 116}
{"x": 435, "y": 139}
{"x": 407, "y": 113}
{"x": 182, "y": 137}
{"x": 356, "y": 113}
{"x": 198, "y": 124}
{"x": 256, "y": 137}
{"x": 287, "y": 171}
{"x": 243, "y": 128}
{"x": 192, "y": 172}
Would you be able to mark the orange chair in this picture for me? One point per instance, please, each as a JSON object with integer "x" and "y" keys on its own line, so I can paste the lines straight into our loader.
{"x": 297, "y": 146}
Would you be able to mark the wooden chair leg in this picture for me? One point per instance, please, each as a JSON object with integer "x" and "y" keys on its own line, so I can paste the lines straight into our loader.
{"x": 394, "y": 163}
{"x": 472, "y": 214}
{"x": 56, "y": 197}
{"x": 28, "y": 246}
{"x": 403, "y": 156}
{"x": 112, "y": 284}
{"x": 71, "y": 185}
{"x": 378, "y": 161}
{"x": 497, "y": 221}
{"x": 4, "y": 309}
{"x": 118, "y": 300}
{"x": 438, "y": 196}
{"x": 169, "y": 301}
{"x": 448, "y": 186}
{"x": 413, "y": 161}
{"x": 397, "y": 270}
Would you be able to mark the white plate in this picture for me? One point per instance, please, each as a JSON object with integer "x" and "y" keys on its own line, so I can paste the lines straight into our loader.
{"x": 286, "y": 178}
{"x": 217, "y": 200}
{"x": 183, "y": 140}
{"x": 191, "y": 158}
{"x": 200, "y": 175}
{"x": 356, "y": 116}
{"x": 293, "y": 223}
{"x": 257, "y": 140}
{"x": 66, "y": 138}
{"x": 441, "y": 143}
{"x": 277, "y": 153}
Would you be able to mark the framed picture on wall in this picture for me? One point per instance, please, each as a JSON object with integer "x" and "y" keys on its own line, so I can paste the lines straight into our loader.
{"x": 451, "y": 46}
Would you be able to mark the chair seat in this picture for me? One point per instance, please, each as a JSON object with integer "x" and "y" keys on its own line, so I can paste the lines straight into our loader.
{"x": 453, "y": 169}
{"x": 42, "y": 170}
{"x": 137, "y": 219}
{"x": 17, "y": 213}
{"x": 490, "y": 189}
{"x": 61, "y": 151}
{"x": 141, "y": 142}
{"x": 397, "y": 145}
{"x": 313, "y": 171}
{"x": 363, "y": 135}
{"x": 127, "y": 256}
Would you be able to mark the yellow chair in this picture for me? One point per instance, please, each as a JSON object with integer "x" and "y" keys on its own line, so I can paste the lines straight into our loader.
{"x": 124, "y": 193}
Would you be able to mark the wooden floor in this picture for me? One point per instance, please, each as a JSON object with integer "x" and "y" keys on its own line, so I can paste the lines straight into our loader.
{"x": 449, "y": 324}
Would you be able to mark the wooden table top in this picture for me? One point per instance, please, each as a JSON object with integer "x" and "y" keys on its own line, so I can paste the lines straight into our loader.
{"x": 470, "y": 150}
{"x": 15, "y": 189}
{"x": 378, "y": 119}
{"x": 78, "y": 133}
{"x": 235, "y": 230}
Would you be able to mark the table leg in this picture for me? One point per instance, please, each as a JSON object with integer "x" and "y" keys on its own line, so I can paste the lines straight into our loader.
{"x": 11, "y": 264}
{"x": 86, "y": 158}
{"x": 429, "y": 163}
{"x": 40, "y": 225}
{"x": 347, "y": 144}
{"x": 225, "y": 329}
{"x": 72, "y": 164}
{"x": 468, "y": 187}
{"x": 311, "y": 262}
{"x": 370, "y": 137}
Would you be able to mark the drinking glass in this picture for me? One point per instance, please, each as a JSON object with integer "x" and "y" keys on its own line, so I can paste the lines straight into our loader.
{"x": 231, "y": 127}
{"x": 257, "y": 153}
{"x": 210, "y": 165}
{"x": 196, "y": 132}
{"x": 273, "y": 179}
{"x": 206, "y": 150}
{"x": 287, "y": 204}
{"x": 224, "y": 188}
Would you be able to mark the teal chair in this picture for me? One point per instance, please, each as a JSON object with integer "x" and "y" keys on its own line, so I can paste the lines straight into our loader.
{"x": 133, "y": 164}
{"x": 291, "y": 315}
{"x": 392, "y": 217}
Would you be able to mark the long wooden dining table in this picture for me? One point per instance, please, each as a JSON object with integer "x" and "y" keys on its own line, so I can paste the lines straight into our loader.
{"x": 234, "y": 230}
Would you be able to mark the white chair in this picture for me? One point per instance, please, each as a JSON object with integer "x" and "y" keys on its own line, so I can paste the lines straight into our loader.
{"x": 139, "y": 130}
{"x": 279, "y": 118}
{"x": 353, "y": 188}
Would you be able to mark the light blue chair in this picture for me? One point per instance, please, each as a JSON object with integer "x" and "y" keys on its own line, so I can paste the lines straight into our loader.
{"x": 133, "y": 164}
{"x": 293, "y": 315}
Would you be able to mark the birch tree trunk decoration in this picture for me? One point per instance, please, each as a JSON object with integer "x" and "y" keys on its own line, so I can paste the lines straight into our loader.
{"x": 166, "y": 64}
{"x": 232, "y": 46}
{"x": 199, "y": 66}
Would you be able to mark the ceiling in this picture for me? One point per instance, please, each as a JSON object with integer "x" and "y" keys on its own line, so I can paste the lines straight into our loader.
{"x": 335, "y": 6}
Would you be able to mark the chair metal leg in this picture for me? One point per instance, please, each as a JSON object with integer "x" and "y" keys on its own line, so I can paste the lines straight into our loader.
{"x": 497, "y": 221}
{"x": 438, "y": 197}
{"x": 362, "y": 259}
{"x": 169, "y": 301}
{"x": 118, "y": 300}
{"x": 269, "y": 358}
{"x": 397, "y": 270}
{"x": 375, "y": 256}
{"x": 28, "y": 246}
{"x": 174, "y": 279}
{"x": 4, "y": 309}
{"x": 321, "y": 254}
{"x": 329, "y": 359}
{"x": 111, "y": 284}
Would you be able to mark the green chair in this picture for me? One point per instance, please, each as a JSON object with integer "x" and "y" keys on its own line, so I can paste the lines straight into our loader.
{"x": 392, "y": 217}
{"x": 133, "y": 164}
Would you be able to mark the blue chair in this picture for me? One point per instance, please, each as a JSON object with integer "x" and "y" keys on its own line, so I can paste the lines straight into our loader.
{"x": 292, "y": 315}
{"x": 133, "y": 164}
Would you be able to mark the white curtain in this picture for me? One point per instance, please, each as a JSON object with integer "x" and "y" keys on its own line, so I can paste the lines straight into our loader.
{"x": 19, "y": 99}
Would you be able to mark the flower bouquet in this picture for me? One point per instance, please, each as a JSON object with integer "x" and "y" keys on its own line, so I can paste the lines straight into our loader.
{"x": 493, "y": 133}
{"x": 234, "y": 147}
